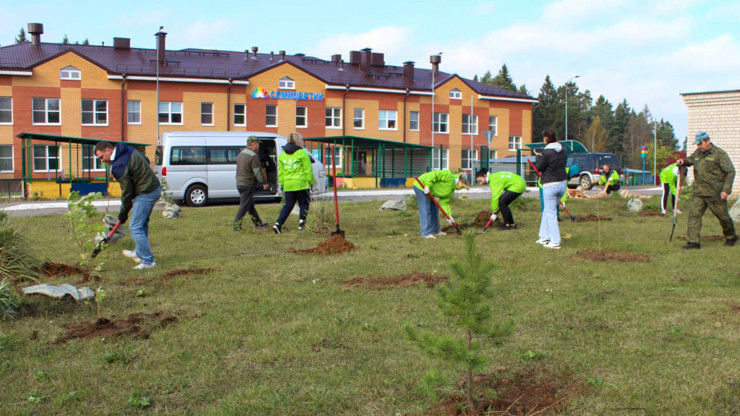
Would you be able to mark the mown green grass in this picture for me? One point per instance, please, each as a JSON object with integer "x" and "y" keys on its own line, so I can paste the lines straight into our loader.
{"x": 267, "y": 332}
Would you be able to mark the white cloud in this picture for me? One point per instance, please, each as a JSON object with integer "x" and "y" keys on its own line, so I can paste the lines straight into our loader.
{"x": 394, "y": 41}
{"x": 145, "y": 18}
{"x": 203, "y": 34}
{"x": 577, "y": 11}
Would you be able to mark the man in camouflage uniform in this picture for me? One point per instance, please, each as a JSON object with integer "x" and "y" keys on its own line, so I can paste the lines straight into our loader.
{"x": 713, "y": 177}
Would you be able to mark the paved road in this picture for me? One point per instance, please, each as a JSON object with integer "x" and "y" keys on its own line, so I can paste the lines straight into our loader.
{"x": 29, "y": 208}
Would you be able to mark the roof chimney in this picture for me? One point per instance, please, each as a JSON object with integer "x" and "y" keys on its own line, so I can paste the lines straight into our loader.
{"x": 378, "y": 59}
{"x": 246, "y": 54}
{"x": 254, "y": 51}
{"x": 341, "y": 64}
{"x": 408, "y": 71}
{"x": 336, "y": 58}
{"x": 355, "y": 57}
{"x": 282, "y": 55}
{"x": 122, "y": 44}
{"x": 161, "y": 50}
{"x": 366, "y": 60}
{"x": 36, "y": 30}
{"x": 272, "y": 55}
{"x": 435, "y": 60}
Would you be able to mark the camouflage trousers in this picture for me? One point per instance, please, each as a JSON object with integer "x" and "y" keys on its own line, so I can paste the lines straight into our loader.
{"x": 718, "y": 206}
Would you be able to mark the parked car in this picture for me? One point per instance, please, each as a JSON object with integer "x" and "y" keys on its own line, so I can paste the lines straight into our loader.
{"x": 589, "y": 166}
{"x": 199, "y": 166}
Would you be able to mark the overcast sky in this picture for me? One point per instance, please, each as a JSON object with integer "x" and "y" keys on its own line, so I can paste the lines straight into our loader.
{"x": 647, "y": 52}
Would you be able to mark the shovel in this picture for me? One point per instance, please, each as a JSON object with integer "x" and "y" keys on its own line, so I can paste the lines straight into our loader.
{"x": 336, "y": 203}
{"x": 449, "y": 219}
{"x": 99, "y": 248}
{"x": 488, "y": 224}
{"x": 572, "y": 217}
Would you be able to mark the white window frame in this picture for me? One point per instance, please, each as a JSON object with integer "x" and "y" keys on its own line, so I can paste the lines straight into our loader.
{"x": 413, "y": 118}
{"x": 170, "y": 113}
{"x": 95, "y": 113}
{"x": 9, "y": 111}
{"x": 493, "y": 125}
{"x": 211, "y": 113}
{"x": 327, "y": 157}
{"x": 242, "y": 114}
{"x": 360, "y": 119}
{"x": 492, "y": 154}
{"x": 136, "y": 112}
{"x": 516, "y": 142}
{"x": 46, "y": 112}
{"x": 445, "y": 154}
{"x": 385, "y": 118}
{"x": 467, "y": 126}
{"x": 97, "y": 165}
{"x": 286, "y": 83}
{"x": 299, "y": 116}
{"x": 47, "y": 158}
{"x": 466, "y": 163}
{"x": 268, "y": 115}
{"x": 440, "y": 120}
{"x": 455, "y": 94}
{"x": 70, "y": 73}
{"x": 12, "y": 164}
{"x": 333, "y": 120}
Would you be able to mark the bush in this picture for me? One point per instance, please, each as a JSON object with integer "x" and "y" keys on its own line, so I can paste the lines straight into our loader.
{"x": 17, "y": 258}
{"x": 8, "y": 302}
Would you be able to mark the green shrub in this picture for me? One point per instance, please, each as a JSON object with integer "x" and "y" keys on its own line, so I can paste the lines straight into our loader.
{"x": 18, "y": 260}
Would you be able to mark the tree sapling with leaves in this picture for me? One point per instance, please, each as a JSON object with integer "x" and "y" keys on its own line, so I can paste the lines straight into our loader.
{"x": 85, "y": 222}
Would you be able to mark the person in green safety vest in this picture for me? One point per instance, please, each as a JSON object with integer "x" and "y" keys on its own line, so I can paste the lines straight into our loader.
{"x": 440, "y": 184}
{"x": 669, "y": 178}
{"x": 610, "y": 178}
{"x": 505, "y": 188}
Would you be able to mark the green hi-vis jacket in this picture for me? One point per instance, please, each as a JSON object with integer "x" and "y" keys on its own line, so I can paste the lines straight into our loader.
{"x": 504, "y": 181}
{"x": 441, "y": 184}
{"x": 668, "y": 176}
{"x": 294, "y": 169}
{"x": 713, "y": 172}
{"x": 613, "y": 178}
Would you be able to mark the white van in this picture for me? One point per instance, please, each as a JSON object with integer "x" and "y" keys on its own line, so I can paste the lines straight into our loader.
{"x": 199, "y": 165}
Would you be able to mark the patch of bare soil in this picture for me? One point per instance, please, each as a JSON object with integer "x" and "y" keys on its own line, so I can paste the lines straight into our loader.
{"x": 335, "y": 244}
{"x": 649, "y": 213}
{"x": 170, "y": 274}
{"x": 139, "y": 325}
{"x": 51, "y": 269}
{"x": 592, "y": 218}
{"x": 481, "y": 219}
{"x": 528, "y": 392}
{"x": 623, "y": 256}
{"x": 406, "y": 280}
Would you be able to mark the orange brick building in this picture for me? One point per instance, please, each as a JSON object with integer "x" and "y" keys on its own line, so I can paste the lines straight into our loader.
{"x": 110, "y": 92}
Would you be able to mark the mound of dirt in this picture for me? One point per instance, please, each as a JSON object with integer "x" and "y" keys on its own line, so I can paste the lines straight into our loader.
{"x": 481, "y": 219}
{"x": 138, "y": 325}
{"x": 51, "y": 269}
{"x": 649, "y": 213}
{"x": 623, "y": 256}
{"x": 336, "y": 244}
{"x": 184, "y": 272}
{"x": 406, "y": 280}
{"x": 591, "y": 218}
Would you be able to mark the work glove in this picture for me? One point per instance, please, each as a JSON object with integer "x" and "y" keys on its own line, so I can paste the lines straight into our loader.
{"x": 122, "y": 217}
{"x": 426, "y": 190}
{"x": 450, "y": 221}
{"x": 493, "y": 217}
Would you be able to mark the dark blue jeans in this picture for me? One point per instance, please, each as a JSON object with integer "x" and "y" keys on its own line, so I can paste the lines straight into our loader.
{"x": 290, "y": 198}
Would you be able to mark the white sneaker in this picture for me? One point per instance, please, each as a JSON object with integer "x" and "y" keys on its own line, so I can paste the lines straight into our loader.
{"x": 431, "y": 236}
{"x": 441, "y": 233}
{"x": 678, "y": 211}
{"x": 552, "y": 246}
{"x": 130, "y": 254}
{"x": 143, "y": 266}
{"x": 542, "y": 241}
{"x": 662, "y": 212}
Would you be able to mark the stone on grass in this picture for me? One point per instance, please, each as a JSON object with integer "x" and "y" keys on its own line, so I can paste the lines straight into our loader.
{"x": 394, "y": 204}
{"x": 634, "y": 205}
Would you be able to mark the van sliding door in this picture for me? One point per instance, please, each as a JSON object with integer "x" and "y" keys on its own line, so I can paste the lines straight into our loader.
{"x": 222, "y": 171}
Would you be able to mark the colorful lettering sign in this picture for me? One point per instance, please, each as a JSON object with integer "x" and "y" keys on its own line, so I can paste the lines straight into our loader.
{"x": 287, "y": 95}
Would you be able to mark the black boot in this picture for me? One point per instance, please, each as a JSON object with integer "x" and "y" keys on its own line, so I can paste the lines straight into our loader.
{"x": 692, "y": 246}
{"x": 731, "y": 242}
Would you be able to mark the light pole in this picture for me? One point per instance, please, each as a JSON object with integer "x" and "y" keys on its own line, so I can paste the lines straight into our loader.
{"x": 566, "y": 105}
{"x": 158, "y": 34}
{"x": 435, "y": 60}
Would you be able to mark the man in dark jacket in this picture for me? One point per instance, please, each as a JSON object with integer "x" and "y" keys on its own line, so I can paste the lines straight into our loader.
{"x": 713, "y": 177}
{"x": 249, "y": 173}
{"x": 140, "y": 190}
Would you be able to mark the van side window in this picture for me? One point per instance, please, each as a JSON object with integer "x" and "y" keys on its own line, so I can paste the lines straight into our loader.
{"x": 223, "y": 155}
{"x": 188, "y": 155}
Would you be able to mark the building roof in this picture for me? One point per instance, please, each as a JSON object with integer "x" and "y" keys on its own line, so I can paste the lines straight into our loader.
{"x": 225, "y": 65}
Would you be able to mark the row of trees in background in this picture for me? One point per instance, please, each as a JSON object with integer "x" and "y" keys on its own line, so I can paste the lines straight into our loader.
{"x": 22, "y": 37}
{"x": 597, "y": 124}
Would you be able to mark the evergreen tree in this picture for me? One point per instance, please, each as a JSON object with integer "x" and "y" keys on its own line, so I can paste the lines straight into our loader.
{"x": 85, "y": 42}
{"x": 667, "y": 136}
{"x": 523, "y": 89}
{"x": 621, "y": 118}
{"x": 487, "y": 78}
{"x": 545, "y": 113}
{"x": 65, "y": 41}
{"x": 603, "y": 109}
{"x": 21, "y": 37}
{"x": 503, "y": 80}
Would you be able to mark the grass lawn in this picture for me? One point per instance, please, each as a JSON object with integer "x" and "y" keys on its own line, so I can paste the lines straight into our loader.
{"x": 262, "y": 331}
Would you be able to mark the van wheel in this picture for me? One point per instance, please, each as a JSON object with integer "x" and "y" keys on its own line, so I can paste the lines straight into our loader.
{"x": 586, "y": 183}
{"x": 196, "y": 196}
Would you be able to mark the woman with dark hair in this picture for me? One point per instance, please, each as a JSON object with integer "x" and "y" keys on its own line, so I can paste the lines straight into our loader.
{"x": 551, "y": 164}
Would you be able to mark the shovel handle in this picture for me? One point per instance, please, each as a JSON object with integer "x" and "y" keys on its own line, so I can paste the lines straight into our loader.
{"x": 459, "y": 231}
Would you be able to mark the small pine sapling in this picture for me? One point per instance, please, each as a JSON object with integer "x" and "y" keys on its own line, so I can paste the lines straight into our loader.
{"x": 465, "y": 300}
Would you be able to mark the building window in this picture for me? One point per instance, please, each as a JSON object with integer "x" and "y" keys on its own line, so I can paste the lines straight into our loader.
{"x": 89, "y": 161}
{"x": 240, "y": 114}
{"x": 134, "y": 112}
{"x": 70, "y": 73}
{"x": 45, "y": 158}
{"x": 47, "y": 111}
{"x": 444, "y": 163}
{"x": 333, "y": 117}
{"x": 493, "y": 125}
{"x": 359, "y": 118}
{"x": 6, "y": 158}
{"x": 414, "y": 121}
{"x": 469, "y": 124}
{"x": 440, "y": 124}
{"x": 455, "y": 94}
{"x": 515, "y": 142}
{"x": 206, "y": 114}
{"x": 170, "y": 112}
{"x": 6, "y": 110}
{"x": 301, "y": 116}
{"x": 492, "y": 154}
{"x": 271, "y": 118}
{"x": 338, "y": 152}
{"x": 286, "y": 84}
{"x": 468, "y": 158}
{"x": 387, "y": 120}
{"x": 94, "y": 112}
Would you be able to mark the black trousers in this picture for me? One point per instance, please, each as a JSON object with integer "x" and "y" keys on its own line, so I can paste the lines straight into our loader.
{"x": 610, "y": 188}
{"x": 664, "y": 199}
{"x": 302, "y": 197}
{"x": 503, "y": 204}
{"x": 246, "y": 205}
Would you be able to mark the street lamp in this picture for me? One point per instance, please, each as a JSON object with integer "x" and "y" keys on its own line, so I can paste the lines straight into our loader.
{"x": 158, "y": 34}
{"x": 566, "y": 105}
{"x": 435, "y": 60}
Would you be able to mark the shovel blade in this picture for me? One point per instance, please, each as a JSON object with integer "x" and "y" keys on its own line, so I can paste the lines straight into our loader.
{"x": 338, "y": 232}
